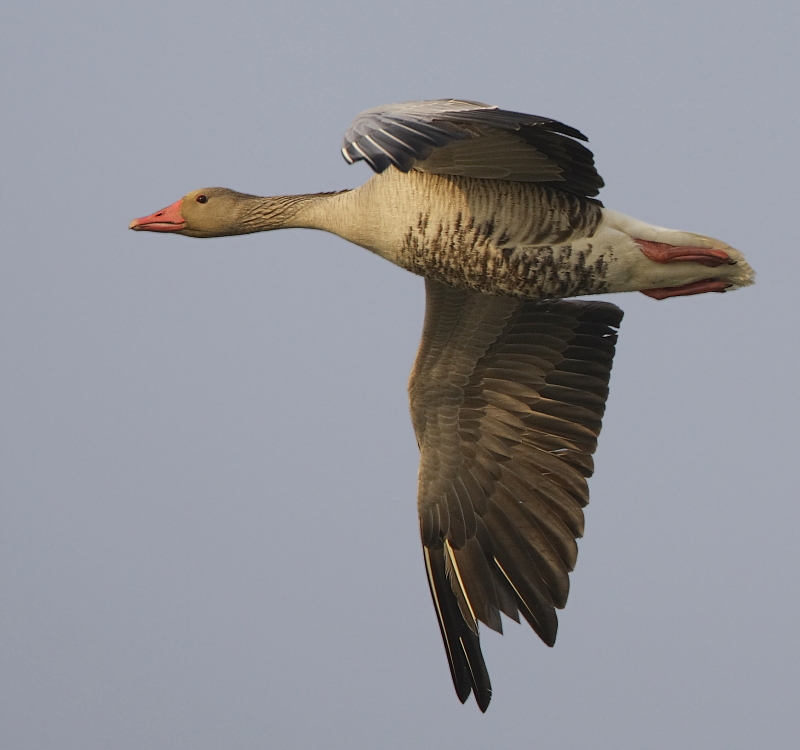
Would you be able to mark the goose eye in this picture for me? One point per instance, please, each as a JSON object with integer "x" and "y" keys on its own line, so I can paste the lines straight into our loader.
{"x": 202, "y": 199}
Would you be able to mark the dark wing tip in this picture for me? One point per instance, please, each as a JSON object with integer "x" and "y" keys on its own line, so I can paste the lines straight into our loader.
{"x": 463, "y": 647}
{"x": 401, "y": 134}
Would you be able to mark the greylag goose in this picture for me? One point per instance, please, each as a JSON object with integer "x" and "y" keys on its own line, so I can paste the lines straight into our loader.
{"x": 497, "y": 211}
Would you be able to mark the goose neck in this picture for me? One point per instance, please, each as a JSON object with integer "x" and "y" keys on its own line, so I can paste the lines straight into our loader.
{"x": 282, "y": 212}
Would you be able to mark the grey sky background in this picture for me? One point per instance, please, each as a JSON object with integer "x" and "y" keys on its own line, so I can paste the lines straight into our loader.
{"x": 209, "y": 535}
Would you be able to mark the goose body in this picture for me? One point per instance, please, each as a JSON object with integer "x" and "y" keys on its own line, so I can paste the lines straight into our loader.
{"x": 510, "y": 238}
{"x": 497, "y": 211}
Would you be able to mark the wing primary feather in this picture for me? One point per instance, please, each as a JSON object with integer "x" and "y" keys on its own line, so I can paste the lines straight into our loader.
{"x": 365, "y": 156}
{"x": 459, "y": 589}
{"x": 462, "y": 646}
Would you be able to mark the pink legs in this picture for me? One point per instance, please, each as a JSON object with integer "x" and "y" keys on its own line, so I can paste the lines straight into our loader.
{"x": 661, "y": 252}
{"x": 696, "y": 287}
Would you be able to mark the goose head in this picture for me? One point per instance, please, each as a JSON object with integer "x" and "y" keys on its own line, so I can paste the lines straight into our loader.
{"x": 208, "y": 212}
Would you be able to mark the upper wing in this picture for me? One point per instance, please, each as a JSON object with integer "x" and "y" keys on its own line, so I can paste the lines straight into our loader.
{"x": 474, "y": 140}
{"x": 507, "y": 397}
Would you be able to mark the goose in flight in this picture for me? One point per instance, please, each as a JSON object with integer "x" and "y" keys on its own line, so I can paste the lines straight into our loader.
{"x": 497, "y": 210}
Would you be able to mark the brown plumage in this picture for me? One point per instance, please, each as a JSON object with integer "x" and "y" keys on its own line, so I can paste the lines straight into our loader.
{"x": 497, "y": 211}
{"x": 507, "y": 398}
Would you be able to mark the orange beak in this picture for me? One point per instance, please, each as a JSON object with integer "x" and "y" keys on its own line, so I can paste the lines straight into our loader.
{"x": 168, "y": 219}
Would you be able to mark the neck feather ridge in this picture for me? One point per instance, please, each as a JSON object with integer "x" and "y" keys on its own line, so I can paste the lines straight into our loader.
{"x": 282, "y": 212}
